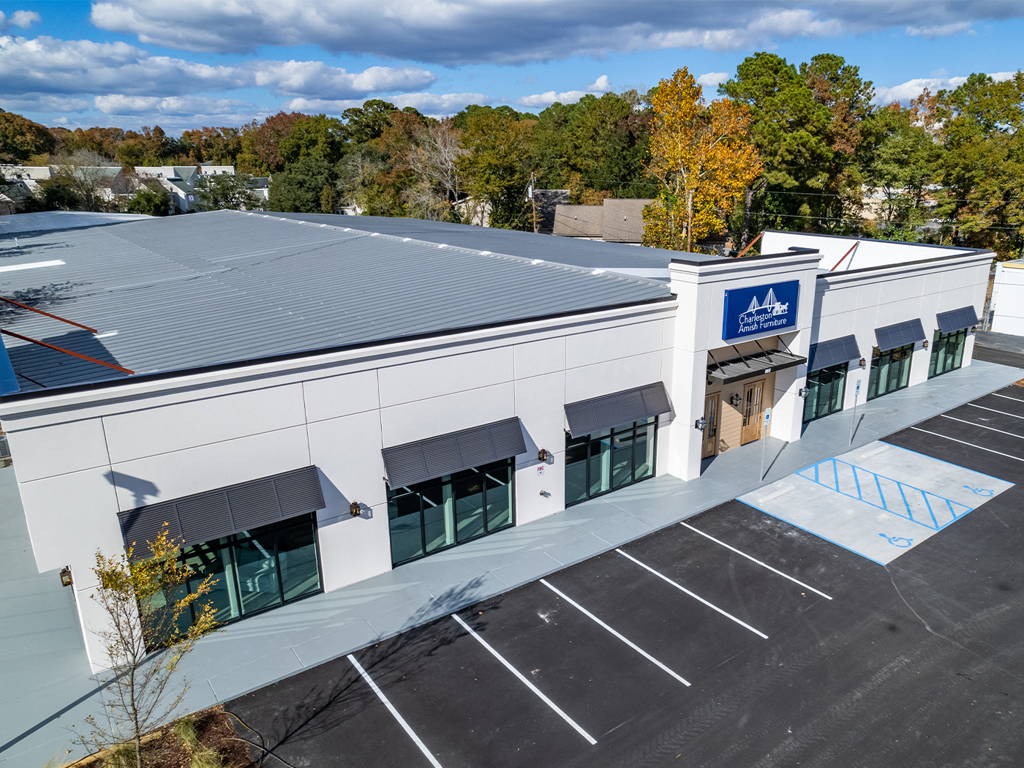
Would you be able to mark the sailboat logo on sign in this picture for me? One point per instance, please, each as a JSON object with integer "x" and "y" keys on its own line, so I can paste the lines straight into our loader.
{"x": 760, "y": 309}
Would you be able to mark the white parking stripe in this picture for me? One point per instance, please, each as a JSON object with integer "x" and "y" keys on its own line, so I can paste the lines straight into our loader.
{"x": 1018, "y": 399}
{"x": 975, "y": 424}
{"x": 394, "y": 712}
{"x": 525, "y": 682}
{"x": 695, "y": 596}
{"x": 616, "y": 633}
{"x": 994, "y": 410}
{"x": 964, "y": 442}
{"x": 755, "y": 560}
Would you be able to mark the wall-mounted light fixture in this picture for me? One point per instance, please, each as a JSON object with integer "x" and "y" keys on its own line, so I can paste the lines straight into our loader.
{"x": 862, "y": 363}
{"x": 802, "y": 392}
{"x": 355, "y": 508}
{"x": 545, "y": 456}
{"x": 700, "y": 423}
{"x": 735, "y": 399}
{"x": 924, "y": 344}
{"x": 66, "y": 580}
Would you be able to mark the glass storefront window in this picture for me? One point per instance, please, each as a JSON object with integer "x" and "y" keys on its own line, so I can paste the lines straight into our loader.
{"x": 606, "y": 461}
{"x": 826, "y": 389}
{"x": 259, "y": 569}
{"x": 437, "y": 514}
{"x": 947, "y": 352}
{"x": 890, "y": 370}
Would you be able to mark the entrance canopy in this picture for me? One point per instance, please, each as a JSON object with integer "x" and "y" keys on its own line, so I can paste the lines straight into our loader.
{"x": 599, "y": 413}
{"x": 749, "y": 366}
{"x": 446, "y": 454}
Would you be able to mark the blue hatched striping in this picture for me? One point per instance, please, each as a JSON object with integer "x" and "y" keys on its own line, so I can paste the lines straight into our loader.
{"x": 886, "y": 493}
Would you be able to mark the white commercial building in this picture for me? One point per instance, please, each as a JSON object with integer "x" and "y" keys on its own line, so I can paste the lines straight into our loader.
{"x": 1007, "y": 306}
{"x": 312, "y": 400}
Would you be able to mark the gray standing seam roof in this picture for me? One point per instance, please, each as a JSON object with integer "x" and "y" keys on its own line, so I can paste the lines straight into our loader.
{"x": 211, "y": 289}
{"x": 591, "y": 254}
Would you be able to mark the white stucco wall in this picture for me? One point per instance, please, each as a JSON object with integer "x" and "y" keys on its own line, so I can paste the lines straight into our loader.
{"x": 859, "y": 302}
{"x": 142, "y": 443}
{"x": 1008, "y": 299}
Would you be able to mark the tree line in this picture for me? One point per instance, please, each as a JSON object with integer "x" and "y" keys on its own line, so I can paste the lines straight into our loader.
{"x": 800, "y": 146}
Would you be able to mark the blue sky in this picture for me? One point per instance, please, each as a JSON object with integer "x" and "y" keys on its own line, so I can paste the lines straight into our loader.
{"x": 187, "y": 63}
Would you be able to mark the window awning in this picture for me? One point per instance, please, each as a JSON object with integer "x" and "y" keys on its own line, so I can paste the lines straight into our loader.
{"x": 211, "y": 514}
{"x": 833, "y": 352}
{"x": 432, "y": 457}
{"x": 899, "y": 334}
{"x": 957, "y": 319}
{"x": 606, "y": 411}
{"x": 750, "y": 366}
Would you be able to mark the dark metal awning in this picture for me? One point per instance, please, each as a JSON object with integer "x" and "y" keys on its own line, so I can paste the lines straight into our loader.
{"x": 597, "y": 414}
{"x": 899, "y": 334}
{"x": 441, "y": 455}
{"x": 211, "y": 514}
{"x": 753, "y": 365}
{"x": 957, "y": 319}
{"x": 825, "y": 354}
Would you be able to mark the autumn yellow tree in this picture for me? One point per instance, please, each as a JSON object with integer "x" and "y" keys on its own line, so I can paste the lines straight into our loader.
{"x": 703, "y": 160}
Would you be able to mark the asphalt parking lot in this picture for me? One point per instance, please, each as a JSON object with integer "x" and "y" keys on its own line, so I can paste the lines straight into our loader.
{"x": 733, "y": 639}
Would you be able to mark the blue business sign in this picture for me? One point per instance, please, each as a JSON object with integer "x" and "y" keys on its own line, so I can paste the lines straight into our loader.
{"x": 8, "y": 381}
{"x": 760, "y": 309}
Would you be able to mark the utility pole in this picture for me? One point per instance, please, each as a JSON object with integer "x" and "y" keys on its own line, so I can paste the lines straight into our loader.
{"x": 533, "y": 201}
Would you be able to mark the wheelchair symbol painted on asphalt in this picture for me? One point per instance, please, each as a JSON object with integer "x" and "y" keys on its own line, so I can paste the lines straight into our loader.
{"x": 898, "y": 541}
{"x": 980, "y": 491}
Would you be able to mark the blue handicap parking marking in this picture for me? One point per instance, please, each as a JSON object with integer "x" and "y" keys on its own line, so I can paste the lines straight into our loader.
{"x": 878, "y": 501}
{"x": 898, "y": 541}
{"x": 980, "y": 491}
{"x": 897, "y": 497}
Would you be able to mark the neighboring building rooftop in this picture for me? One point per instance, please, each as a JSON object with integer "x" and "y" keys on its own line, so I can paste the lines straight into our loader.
{"x": 186, "y": 292}
{"x": 616, "y": 220}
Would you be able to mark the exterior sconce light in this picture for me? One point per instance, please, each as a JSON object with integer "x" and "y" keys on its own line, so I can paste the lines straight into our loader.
{"x": 862, "y": 363}
{"x": 735, "y": 400}
{"x": 924, "y": 344}
{"x": 802, "y": 392}
{"x": 700, "y": 423}
{"x": 355, "y": 508}
{"x": 545, "y": 456}
{"x": 66, "y": 580}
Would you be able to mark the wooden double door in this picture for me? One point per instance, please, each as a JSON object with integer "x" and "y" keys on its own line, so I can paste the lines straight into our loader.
{"x": 751, "y": 413}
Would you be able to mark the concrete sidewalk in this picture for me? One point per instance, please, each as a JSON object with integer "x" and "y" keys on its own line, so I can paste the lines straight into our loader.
{"x": 260, "y": 650}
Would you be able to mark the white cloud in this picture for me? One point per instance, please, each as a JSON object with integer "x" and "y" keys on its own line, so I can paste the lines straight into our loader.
{"x": 541, "y": 100}
{"x": 120, "y": 104}
{"x": 940, "y": 30}
{"x": 457, "y": 31}
{"x": 51, "y": 65}
{"x": 911, "y": 89}
{"x": 20, "y": 19}
{"x": 713, "y": 79}
{"x": 314, "y": 78}
{"x": 428, "y": 103}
